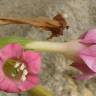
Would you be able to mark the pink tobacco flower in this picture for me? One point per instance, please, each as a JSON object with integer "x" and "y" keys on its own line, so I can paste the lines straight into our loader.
{"x": 88, "y": 56}
{"x": 81, "y": 51}
{"x": 19, "y": 69}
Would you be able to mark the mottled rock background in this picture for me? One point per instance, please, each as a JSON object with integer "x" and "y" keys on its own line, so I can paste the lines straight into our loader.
{"x": 56, "y": 75}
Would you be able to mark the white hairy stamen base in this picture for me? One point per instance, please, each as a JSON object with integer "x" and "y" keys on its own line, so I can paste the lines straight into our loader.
{"x": 21, "y": 67}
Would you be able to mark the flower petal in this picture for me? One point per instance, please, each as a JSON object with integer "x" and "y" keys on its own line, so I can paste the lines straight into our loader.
{"x": 32, "y": 81}
{"x": 89, "y": 37}
{"x": 33, "y": 60}
{"x": 82, "y": 67}
{"x": 85, "y": 76}
{"x": 11, "y": 51}
{"x": 89, "y": 57}
{"x": 87, "y": 73}
{"x": 6, "y": 84}
{"x": 83, "y": 35}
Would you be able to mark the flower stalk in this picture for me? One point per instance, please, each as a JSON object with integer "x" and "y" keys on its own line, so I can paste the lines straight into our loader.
{"x": 69, "y": 49}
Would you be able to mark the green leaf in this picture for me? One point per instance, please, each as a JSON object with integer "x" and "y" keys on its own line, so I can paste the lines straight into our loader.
{"x": 13, "y": 39}
{"x": 39, "y": 91}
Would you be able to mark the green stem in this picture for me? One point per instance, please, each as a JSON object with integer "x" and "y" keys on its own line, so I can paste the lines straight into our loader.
{"x": 39, "y": 91}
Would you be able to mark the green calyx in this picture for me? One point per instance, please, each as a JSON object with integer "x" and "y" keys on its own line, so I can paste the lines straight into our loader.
{"x": 39, "y": 91}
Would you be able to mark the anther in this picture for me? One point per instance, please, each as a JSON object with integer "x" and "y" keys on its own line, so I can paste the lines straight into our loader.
{"x": 23, "y": 77}
{"x": 25, "y": 72}
{"x": 22, "y": 66}
{"x": 16, "y": 65}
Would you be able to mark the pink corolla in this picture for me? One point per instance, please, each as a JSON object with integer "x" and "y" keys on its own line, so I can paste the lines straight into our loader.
{"x": 82, "y": 51}
{"x": 87, "y": 56}
{"x": 19, "y": 69}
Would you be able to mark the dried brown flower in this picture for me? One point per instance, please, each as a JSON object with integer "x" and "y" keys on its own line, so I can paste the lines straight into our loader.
{"x": 56, "y": 26}
{"x": 62, "y": 25}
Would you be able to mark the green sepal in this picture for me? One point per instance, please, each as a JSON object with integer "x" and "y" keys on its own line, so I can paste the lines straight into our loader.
{"x": 13, "y": 39}
{"x": 39, "y": 91}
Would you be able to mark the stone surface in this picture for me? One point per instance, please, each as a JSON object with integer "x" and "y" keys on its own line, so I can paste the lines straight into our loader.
{"x": 56, "y": 74}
